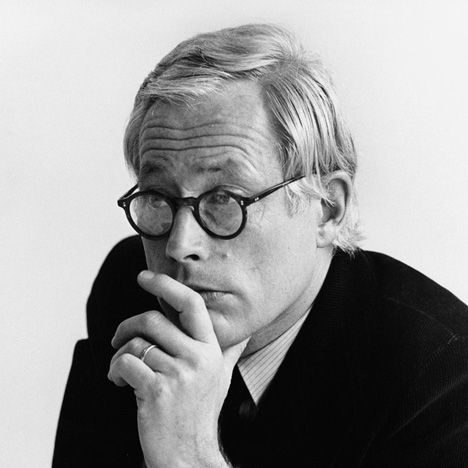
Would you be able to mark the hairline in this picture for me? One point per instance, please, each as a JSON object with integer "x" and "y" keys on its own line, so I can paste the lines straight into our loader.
{"x": 289, "y": 156}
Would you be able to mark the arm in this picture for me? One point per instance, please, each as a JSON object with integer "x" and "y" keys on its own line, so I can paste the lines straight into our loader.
{"x": 77, "y": 416}
{"x": 97, "y": 425}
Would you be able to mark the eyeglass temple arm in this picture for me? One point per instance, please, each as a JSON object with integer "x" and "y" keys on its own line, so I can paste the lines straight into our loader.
{"x": 264, "y": 194}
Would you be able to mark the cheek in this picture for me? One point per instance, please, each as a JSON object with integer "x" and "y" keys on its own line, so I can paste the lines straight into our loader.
{"x": 281, "y": 254}
{"x": 255, "y": 264}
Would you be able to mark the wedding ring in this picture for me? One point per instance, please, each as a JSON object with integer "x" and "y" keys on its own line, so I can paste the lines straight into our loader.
{"x": 145, "y": 352}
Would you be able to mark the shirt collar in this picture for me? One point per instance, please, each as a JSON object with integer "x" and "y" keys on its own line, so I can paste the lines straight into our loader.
{"x": 259, "y": 368}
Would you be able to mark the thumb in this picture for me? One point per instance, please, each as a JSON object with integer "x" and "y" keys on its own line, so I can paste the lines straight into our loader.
{"x": 233, "y": 353}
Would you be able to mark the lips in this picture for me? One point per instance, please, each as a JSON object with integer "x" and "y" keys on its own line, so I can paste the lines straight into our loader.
{"x": 211, "y": 295}
{"x": 200, "y": 288}
{"x": 207, "y": 293}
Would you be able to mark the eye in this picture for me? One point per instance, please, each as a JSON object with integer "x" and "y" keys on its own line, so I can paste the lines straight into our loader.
{"x": 219, "y": 198}
{"x": 155, "y": 201}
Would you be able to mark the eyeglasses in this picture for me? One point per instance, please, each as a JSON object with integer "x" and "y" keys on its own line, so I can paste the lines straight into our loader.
{"x": 221, "y": 213}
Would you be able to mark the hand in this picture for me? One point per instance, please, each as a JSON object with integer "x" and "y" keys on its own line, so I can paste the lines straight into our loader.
{"x": 182, "y": 383}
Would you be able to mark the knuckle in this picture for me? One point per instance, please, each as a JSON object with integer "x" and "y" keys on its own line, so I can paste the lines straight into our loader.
{"x": 135, "y": 346}
{"x": 184, "y": 375}
{"x": 201, "y": 365}
{"x": 124, "y": 361}
{"x": 119, "y": 366}
{"x": 202, "y": 362}
{"x": 151, "y": 320}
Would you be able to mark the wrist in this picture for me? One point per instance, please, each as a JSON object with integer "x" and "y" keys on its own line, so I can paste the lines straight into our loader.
{"x": 209, "y": 459}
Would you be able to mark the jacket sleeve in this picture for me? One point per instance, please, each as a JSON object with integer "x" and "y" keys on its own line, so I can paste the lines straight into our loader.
{"x": 76, "y": 442}
{"x": 97, "y": 423}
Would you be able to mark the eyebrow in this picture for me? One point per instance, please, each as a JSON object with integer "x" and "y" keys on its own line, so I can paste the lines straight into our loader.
{"x": 213, "y": 166}
{"x": 152, "y": 167}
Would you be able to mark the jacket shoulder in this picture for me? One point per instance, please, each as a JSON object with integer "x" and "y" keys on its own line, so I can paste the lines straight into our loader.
{"x": 126, "y": 256}
{"x": 115, "y": 294}
{"x": 402, "y": 287}
{"x": 411, "y": 350}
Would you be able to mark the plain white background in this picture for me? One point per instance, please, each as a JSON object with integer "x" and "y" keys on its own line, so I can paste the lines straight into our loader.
{"x": 69, "y": 72}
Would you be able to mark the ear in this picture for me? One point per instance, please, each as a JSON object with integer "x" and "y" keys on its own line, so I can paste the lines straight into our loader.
{"x": 339, "y": 188}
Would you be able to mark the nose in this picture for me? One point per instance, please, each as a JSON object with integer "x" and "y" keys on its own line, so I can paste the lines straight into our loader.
{"x": 187, "y": 241}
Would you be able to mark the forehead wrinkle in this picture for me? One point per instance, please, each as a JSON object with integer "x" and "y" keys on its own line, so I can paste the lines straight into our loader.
{"x": 153, "y": 147}
{"x": 160, "y": 124}
{"x": 215, "y": 164}
{"x": 156, "y": 144}
{"x": 197, "y": 141}
{"x": 185, "y": 137}
{"x": 176, "y": 134}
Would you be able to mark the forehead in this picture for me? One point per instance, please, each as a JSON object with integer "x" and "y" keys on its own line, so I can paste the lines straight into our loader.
{"x": 229, "y": 131}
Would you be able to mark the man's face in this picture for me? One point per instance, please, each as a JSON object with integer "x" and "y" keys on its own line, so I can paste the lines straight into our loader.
{"x": 269, "y": 274}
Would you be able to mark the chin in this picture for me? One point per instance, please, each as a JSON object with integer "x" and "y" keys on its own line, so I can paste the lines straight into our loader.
{"x": 228, "y": 332}
{"x": 225, "y": 329}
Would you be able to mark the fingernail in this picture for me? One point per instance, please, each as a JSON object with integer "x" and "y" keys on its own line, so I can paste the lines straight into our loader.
{"x": 146, "y": 275}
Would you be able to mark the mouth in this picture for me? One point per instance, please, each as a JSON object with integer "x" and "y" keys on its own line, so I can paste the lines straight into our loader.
{"x": 210, "y": 295}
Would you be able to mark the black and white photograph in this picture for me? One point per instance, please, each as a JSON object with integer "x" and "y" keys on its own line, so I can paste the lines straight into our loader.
{"x": 234, "y": 234}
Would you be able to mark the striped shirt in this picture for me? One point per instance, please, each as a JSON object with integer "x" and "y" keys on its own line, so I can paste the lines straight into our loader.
{"x": 259, "y": 368}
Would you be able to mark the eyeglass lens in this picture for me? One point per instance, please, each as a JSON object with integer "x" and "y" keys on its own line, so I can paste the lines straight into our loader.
{"x": 219, "y": 212}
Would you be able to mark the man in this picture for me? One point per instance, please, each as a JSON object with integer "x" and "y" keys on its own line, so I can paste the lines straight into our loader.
{"x": 257, "y": 334}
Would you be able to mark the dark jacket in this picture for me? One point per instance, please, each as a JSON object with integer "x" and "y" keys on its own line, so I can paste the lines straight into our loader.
{"x": 377, "y": 376}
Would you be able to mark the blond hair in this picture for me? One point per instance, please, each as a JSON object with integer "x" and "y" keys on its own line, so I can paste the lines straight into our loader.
{"x": 312, "y": 136}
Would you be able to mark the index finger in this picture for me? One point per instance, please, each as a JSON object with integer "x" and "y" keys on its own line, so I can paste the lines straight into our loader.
{"x": 193, "y": 315}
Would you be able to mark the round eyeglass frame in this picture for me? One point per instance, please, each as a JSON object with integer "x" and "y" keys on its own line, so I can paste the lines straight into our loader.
{"x": 175, "y": 203}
